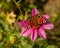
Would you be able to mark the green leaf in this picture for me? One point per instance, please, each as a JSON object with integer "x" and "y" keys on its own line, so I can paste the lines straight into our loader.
{"x": 35, "y": 46}
{"x": 50, "y": 46}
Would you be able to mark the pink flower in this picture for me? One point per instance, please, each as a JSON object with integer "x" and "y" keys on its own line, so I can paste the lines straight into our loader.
{"x": 33, "y": 28}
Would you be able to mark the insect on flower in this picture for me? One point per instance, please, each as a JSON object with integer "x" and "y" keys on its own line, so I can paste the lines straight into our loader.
{"x": 36, "y": 21}
{"x": 35, "y": 25}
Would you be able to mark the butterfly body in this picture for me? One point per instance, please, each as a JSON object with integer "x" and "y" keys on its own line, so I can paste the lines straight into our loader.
{"x": 36, "y": 21}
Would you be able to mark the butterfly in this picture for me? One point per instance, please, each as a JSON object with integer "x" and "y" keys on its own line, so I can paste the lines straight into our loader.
{"x": 36, "y": 21}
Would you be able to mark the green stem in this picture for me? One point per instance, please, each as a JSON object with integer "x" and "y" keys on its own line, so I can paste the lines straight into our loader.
{"x": 18, "y": 7}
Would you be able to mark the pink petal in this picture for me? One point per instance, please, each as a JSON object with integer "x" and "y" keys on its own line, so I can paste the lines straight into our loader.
{"x": 42, "y": 33}
{"x": 48, "y": 26}
{"x": 33, "y": 35}
{"x": 34, "y": 12}
{"x": 23, "y": 23}
{"x": 46, "y": 16}
{"x": 23, "y": 30}
{"x": 26, "y": 32}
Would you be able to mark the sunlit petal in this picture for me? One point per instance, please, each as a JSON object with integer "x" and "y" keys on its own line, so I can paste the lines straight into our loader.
{"x": 23, "y": 23}
{"x": 46, "y": 16}
{"x": 34, "y": 12}
{"x": 48, "y": 26}
{"x": 42, "y": 33}
{"x": 27, "y": 32}
{"x": 33, "y": 35}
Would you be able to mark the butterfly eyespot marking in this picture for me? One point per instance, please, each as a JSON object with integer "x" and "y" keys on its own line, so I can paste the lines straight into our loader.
{"x": 39, "y": 16}
{"x": 29, "y": 26}
{"x": 30, "y": 20}
{"x": 44, "y": 21}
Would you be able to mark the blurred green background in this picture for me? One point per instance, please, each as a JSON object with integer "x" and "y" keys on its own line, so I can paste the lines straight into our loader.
{"x": 12, "y": 11}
